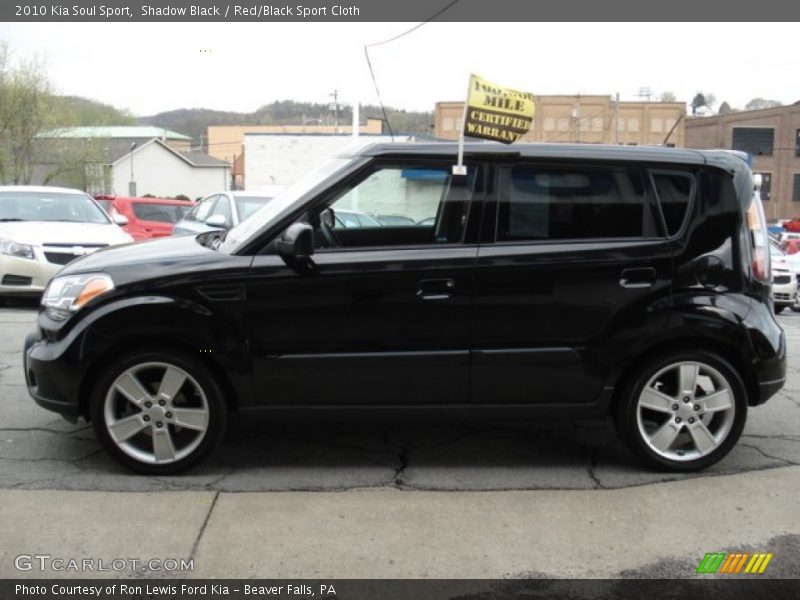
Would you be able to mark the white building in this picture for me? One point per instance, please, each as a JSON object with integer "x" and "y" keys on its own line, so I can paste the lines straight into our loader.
{"x": 276, "y": 160}
{"x": 160, "y": 170}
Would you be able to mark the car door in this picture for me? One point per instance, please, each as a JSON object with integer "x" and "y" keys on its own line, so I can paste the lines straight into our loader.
{"x": 574, "y": 271}
{"x": 382, "y": 316}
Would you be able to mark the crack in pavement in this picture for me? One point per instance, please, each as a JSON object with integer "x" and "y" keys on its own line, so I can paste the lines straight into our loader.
{"x": 766, "y": 455}
{"x": 45, "y": 430}
{"x": 203, "y": 526}
{"x": 403, "y": 458}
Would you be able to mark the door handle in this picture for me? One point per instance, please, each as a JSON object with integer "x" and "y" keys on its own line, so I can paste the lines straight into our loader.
{"x": 643, "y": 277}
{"x": 435, "y": 289}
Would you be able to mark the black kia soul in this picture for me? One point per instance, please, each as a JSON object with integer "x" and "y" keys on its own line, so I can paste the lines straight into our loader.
{"x": 549, "y": 281}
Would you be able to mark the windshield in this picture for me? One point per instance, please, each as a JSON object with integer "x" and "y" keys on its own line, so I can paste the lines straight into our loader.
{"x": 242, "y": 233}
{"x": 248, "y": 205}
{"x": 49, "y": 206}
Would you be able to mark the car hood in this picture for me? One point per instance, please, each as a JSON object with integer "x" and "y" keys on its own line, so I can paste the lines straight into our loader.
{"x": 164, "y": 259}
{"x": 39, "y": 233}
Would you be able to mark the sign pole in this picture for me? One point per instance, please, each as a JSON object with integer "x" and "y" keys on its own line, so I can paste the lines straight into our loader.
{"x": 460, "y": 169}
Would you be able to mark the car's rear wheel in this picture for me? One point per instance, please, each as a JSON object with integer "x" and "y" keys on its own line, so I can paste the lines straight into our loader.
{"x": 158, "y": 413}
{"x": 683, "y": 411}
{"x": 779, "y": 308}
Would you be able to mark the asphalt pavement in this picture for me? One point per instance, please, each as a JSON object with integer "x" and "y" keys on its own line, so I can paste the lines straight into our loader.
{"x": 398, "y": 498}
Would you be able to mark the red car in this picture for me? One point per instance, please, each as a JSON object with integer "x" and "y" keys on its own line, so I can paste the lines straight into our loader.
{"x": 792, "y": 225}
{"x": 147, "y": 217}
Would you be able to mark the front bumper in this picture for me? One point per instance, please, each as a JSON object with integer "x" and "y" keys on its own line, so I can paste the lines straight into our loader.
{"x": 24, "y": 276}
{"x": 50, "y": 376}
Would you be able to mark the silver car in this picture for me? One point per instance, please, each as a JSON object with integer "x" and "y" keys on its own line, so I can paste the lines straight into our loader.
{"x": 221, "y": 210}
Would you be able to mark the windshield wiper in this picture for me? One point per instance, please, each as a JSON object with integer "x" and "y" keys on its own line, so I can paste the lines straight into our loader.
{"x": 8, "y": 220}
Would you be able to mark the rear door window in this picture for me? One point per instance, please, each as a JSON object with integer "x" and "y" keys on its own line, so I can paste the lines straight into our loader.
{"x": 572, "y": 203}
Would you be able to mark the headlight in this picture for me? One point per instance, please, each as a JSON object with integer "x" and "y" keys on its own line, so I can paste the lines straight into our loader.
{"x": 12, "y": 248}
{"x": 69, "y": 293}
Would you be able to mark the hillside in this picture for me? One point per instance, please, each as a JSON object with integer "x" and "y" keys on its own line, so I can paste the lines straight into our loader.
{"x": 194, "y": 121}
{"x": 81, "y": 111}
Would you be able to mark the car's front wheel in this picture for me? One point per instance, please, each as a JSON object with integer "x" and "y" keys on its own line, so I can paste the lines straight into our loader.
{"x": 683, "y": 411}
{"x": 158, "y": 413}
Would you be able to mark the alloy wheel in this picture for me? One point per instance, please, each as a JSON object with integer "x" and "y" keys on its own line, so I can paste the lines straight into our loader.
{"x": 685, "y": 411}
{"x": 156, "y": 413}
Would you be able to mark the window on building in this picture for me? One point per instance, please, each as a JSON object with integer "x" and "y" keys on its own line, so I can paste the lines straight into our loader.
{"x": 656, "y": 126}
{"x": 563, "y": 124}
{"x": 549, "y": 124}
{"x": 549, "y": 203}
{"x": 796, "y": 194}
{"x": 448, "y": 124}
{"x": 797, "y": 143}
{"x": 633, "y": 125}
{"x": 597, "y": 124}
{"x": 766, "y": 185}
{"x": 757, "y": 141}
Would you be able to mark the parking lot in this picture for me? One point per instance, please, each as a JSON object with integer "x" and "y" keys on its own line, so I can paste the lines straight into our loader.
{"x": 408, "y": 465}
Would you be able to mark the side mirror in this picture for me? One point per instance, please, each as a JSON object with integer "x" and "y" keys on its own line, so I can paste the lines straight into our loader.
{"x": 217, "y": 221}
{"x": 297, "y": 242}
{"x": 119, "y": 219}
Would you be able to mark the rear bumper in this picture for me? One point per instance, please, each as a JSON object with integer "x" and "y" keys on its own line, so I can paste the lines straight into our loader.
{"x": 768, "y": 343}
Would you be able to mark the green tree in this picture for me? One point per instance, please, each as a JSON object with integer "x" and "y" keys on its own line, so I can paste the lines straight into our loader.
{"x": 26, "y": 108}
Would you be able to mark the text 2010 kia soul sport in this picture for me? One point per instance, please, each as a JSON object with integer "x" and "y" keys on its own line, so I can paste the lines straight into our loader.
{"x": 549, "y": 281}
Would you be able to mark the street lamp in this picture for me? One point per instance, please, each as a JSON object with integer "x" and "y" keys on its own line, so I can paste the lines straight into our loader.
{"x": 132, "y": 184}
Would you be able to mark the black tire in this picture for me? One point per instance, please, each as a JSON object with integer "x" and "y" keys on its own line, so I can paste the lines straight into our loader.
{"x": 626, "y": 413}
{"x": 779, "y": 309}
{"x": 216, "y": 407}
{"x": 795, "y": 308}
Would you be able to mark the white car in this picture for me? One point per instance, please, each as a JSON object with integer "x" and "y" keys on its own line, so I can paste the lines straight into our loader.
{"x": 784, "y": 280}
{"x": 222, "y": 210}
{"x": 44, "y": 228}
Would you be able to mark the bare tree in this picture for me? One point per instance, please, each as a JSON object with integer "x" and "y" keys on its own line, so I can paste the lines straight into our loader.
{"x": 759, "y": 103}
{"x": 667, "y": 97}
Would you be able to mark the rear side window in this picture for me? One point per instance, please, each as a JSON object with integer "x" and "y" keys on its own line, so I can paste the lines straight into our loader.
{"x": 554, "y": 203}
{"x": 675, "y": 192}
{"x": 162, "y": 213}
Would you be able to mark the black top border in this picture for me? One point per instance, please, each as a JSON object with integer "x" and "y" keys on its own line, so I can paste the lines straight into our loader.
{"x": 496, "y": 11}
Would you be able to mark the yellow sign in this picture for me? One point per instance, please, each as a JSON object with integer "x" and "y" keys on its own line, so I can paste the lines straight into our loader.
{"x": 497, "y": 113}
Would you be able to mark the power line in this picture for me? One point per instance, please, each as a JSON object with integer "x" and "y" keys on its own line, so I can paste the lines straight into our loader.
{"x": 397, "y": 37}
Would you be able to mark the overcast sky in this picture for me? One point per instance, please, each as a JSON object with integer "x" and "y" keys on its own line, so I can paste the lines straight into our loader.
{"x": 153, "y": 67}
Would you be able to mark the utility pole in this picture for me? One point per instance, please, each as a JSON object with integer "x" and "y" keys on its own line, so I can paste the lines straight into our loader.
{"x": 577, "y": 115}
{"x": 615, "y": 133}
{"x": 335, "y": 108}
{"x": 132, "y": 184}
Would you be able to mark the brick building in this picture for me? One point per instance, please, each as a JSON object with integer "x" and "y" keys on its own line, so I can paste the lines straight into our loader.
{"x": 590, "y": 119}
{"x": 772, "y": 137}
